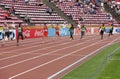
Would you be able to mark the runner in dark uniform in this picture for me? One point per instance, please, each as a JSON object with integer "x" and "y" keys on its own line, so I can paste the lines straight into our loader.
{"x": 71, "y": 31}
{"x": 102, "y": 29}
{"x": 83, "y": 29}
{"x": 20, "y": 33}
{"x": 111, "y": 30}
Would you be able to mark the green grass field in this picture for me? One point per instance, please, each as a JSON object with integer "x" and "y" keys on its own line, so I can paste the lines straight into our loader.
{"x": 105, "y": 65}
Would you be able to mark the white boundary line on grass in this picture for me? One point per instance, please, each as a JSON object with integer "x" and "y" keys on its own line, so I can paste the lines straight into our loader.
{"x": 54, "y": 75}
{"x": 115, "y": 59}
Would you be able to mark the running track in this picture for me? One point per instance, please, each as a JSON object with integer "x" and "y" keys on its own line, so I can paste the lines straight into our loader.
{"x": 50, "y": 60}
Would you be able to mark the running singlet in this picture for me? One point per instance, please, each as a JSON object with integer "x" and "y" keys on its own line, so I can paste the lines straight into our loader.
{"x": 6, "y": 29}
{"x": 57, "y": 29}
{"x": 111, "y": 27}
{"x": 83, "y": 28}
{"x": 45, "y": 31}
{"x": 102, "y": 28}
{"x": 19, "y": 29}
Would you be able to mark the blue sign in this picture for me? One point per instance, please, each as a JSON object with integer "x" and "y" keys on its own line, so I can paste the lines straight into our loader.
{"x": 12, "y": 35}
{"x": 118, "y": 30}
{"x": 107, "y": 30}
{"x": 64, "y": 32}
{"x": 1, "y": 35}
{"x": 51, "y": 32}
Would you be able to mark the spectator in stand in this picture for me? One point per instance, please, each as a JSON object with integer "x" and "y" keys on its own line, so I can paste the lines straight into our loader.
{"x": 60, "y": 1}
{"x": 14, "y": 0}
{"x": 12, "y": 10}
{"x": 27, "y": 2}
{"x": 76, "y": 0}
{"x": 70, "y": 16}
{"x": 80, "y": 18}
{"x": 6, "y": 15}
{"x": 39, "y": 2}
{"x": 50, "y": 11}
{"x": 49, "y": 0}
{"x": 27, "y": 19}
{"x": 108, "y": 15}
{"x": 77, "y": 4}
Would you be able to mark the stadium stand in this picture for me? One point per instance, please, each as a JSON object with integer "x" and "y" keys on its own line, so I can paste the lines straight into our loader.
{"x": 36, "y": 12}
{"x": 5, "y": 16}
{"x": 90, "y": 13}
{"x": 33, "y": 12}
{"x": 114, "y": 8}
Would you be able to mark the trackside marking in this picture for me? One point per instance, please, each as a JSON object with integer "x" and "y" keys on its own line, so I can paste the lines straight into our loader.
{"x": 54, "y": 75}
{"x": 41, "y": 55}
{"x": 52, "y": 61}
{"x": 27, "y": 41}
{"x": 28, "y": 46}
{"x": 33, "y": 51}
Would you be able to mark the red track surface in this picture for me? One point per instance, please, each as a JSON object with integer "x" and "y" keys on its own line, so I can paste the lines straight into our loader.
{"x": 52, "y": 59}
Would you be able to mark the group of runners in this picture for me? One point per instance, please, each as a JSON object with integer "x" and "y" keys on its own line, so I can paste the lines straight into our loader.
{"x": 82, "y": 28}
{"x": 7, "y": 31}
{"x": 19, "y": 35}
{"x": 102, "y": 29}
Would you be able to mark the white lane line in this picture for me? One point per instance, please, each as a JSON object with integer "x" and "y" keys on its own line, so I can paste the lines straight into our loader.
{"x": 33, "y": 44}
{"x": 28, "y": 46}
{"x": 35, "y": 40}
{"x": 66, "y": 68}
{"x": 37, "y": 50}
{"x": 76, "y": 55}
{"x": 32, "y": 51}
{"x": 26, "y": 41}
{"x": 29, "y": 42}
{"x": 42, "y": 55}
{"x": 53, "y": 60}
